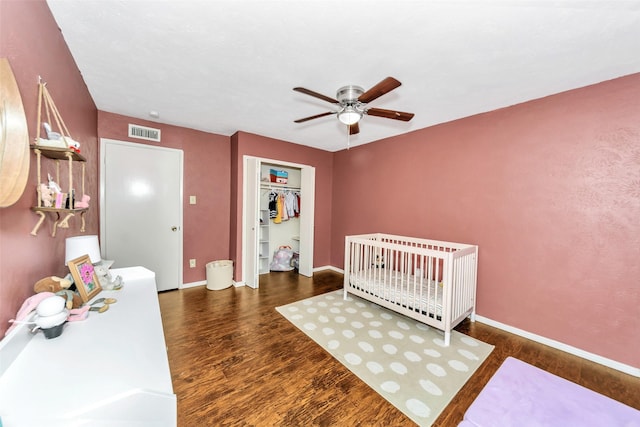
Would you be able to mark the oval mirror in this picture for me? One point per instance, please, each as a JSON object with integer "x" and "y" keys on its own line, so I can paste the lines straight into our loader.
{"x": 14, "y": 138}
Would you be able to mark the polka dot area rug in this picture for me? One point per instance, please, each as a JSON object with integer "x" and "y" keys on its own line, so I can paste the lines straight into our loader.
{"x": 403, "y": 360}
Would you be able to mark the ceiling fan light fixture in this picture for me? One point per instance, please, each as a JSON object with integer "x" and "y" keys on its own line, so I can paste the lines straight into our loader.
{"x": 349, "y": 115}
{"x": 351, "y": 104}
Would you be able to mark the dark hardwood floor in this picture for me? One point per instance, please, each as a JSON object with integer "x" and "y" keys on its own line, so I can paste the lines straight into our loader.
{"x": 236, "y": 361}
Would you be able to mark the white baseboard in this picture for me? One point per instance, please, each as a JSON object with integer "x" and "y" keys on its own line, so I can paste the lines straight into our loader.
{"x": 193, "y": 284}
{"x": 627, "y": 369}
{"x": 329, "y": 267}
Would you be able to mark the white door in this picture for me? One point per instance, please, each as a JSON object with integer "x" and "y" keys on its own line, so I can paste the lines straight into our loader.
{"x": 251, "y": 221}
{"x": 307, "y": 201}
{"x": 141, "y": 208}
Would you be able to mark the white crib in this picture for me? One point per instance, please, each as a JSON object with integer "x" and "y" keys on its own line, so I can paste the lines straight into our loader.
{"x": 431, "y": 281}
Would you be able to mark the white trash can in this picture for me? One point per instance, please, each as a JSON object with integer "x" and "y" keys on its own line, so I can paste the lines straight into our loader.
{"x": 219, "y": 274}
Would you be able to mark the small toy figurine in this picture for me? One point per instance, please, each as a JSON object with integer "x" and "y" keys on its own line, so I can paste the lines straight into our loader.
{"x": 46, "y": 195}
{"x": 53, "y": 186}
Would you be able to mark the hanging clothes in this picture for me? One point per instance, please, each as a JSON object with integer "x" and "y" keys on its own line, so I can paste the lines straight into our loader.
{"x": 278, "y": 217}
{"x": 290, "y": 203}
{"x": 283, "y": 204}
{"x": 273, "y": 204}
{"x": 285, "y": 211}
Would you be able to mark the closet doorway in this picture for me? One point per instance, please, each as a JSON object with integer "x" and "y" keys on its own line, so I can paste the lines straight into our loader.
{"x": 262, "y": 235}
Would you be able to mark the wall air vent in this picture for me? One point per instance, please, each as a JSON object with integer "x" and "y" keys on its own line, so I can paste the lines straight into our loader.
{"x": 142, "y": 132}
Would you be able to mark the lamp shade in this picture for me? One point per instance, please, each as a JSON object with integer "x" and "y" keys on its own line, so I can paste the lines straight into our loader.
{"x": 82, "y": 245}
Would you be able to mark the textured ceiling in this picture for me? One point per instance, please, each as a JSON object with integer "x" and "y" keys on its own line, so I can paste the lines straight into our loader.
{"x": 227, "y": 66}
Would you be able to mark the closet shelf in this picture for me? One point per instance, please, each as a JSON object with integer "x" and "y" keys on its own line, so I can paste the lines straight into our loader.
{"x": 263, "y": 245}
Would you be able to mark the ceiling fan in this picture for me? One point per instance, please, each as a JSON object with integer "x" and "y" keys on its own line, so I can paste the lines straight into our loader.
{"x": 352, "y": 104}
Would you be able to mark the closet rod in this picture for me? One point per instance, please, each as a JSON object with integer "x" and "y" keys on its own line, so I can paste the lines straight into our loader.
{"x": 277, "y": 187}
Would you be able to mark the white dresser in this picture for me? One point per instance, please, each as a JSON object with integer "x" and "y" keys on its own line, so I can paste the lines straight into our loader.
{"x": 108, "y": 370}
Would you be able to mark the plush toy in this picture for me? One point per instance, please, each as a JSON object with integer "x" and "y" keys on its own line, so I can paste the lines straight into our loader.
{"x": 60, "y": 287}
{"x": 379, "y": 261}
{"x": 107, "y": 282}
{"x": 46, "y": 288}
{"x": 83, "y": 203}
{"x": 46, "y": 195}
{"x": 72, "y": 144}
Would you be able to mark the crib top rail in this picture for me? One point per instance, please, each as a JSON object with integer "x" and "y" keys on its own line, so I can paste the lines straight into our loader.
{"x": 412, "y": 244}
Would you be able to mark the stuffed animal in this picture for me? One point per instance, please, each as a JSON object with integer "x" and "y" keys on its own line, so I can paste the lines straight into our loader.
{"x": 83, "y": 203}
{"x": 72, "y": 144}
{"x": 59, "y": 287}
{"x": 107, "y": 282}
{"x": 46, "y": 195}
{"x": 379, "y": 261}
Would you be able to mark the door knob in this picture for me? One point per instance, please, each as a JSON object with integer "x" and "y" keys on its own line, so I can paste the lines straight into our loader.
{"x": 174, "y": 228}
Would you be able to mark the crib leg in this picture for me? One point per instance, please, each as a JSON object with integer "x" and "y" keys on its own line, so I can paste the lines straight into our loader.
{"x": 447, "y": 338}
{"x": 472, "y": 317}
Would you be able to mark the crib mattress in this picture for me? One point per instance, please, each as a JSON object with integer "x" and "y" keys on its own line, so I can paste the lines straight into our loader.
{"x": 406, "y": 290}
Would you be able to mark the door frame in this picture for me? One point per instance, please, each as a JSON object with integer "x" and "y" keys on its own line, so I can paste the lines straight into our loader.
{"x": 102, "y": 192}
{"x": 251, "y": 188}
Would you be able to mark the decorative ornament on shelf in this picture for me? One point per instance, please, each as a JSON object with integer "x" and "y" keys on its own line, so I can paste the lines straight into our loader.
{"x": 56, "y": 140}
{"x": 83, "y": 203}
{"x": 46, "y": 195}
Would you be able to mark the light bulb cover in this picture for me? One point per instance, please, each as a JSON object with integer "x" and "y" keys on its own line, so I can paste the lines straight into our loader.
{"x": 349, "y": 115}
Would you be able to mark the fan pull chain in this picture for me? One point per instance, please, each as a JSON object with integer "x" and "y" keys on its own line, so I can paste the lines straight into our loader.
{"x": 348, "y": 137}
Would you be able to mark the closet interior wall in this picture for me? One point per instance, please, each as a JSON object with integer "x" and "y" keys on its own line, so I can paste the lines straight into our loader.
{"x": 284, "y": 233}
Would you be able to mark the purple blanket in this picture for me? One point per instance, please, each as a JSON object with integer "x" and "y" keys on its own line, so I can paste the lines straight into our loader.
{"x": 522, "y": 395}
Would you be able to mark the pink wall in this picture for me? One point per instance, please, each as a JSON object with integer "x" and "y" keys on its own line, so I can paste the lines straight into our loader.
{"x": 206, "y": 176}
{"x": 259, "y": 146}
{"x": 30, "y": 39}
{"x": 549, "y": 190}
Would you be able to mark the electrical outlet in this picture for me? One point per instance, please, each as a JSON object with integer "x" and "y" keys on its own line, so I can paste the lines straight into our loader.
{"x": 192, "y": 263}
{"x": 192, "y": 200}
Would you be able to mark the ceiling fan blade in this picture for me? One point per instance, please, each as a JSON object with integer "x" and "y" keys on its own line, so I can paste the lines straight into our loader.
{"x": 354, "y": 128}
{"x": 390, "y": 114}
{"x": 328, "y": 113}
{"x": 315, "y": 94}
{"x": 385, "y": 86}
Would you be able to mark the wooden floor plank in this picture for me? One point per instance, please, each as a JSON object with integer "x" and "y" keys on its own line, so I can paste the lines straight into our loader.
{"x": 235, "y": 361}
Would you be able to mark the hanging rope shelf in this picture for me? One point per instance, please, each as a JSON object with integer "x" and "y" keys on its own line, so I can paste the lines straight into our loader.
{"x": 57, "y": 146}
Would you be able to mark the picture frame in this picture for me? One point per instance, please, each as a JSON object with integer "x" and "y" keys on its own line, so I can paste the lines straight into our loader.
{"x": 85, "y": 277}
